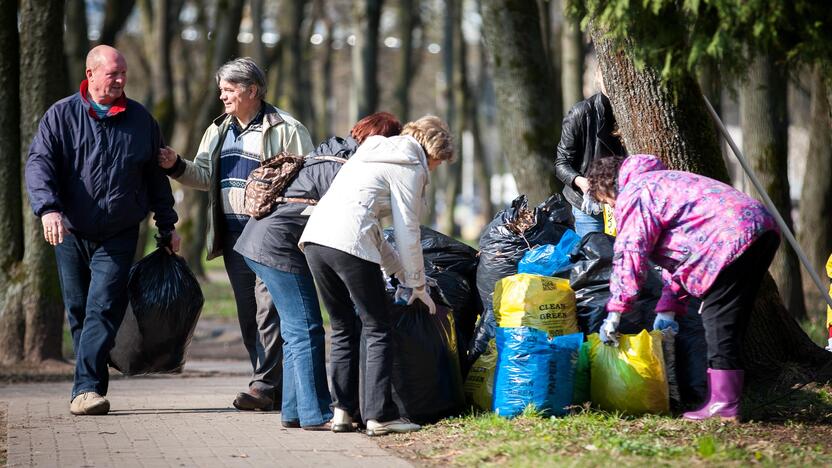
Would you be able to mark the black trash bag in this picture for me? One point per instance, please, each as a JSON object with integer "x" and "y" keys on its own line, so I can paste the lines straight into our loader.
{"x": 512, "y": 233}
{"x": 443, "y": 253}
{"x": 590, "y": 279}
{"x": 455, "y": 292}
{"x": 165, "y": 303}
{"x": 427, "y": 381}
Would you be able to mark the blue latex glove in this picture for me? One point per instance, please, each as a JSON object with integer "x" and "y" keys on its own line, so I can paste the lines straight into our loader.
{"x": 665, "y": 320}
{"x": 590, "y": 206}
{"x": 609, "y": 329}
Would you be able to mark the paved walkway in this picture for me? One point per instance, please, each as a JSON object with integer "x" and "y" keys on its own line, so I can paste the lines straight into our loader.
{"x": 170, "y": 421}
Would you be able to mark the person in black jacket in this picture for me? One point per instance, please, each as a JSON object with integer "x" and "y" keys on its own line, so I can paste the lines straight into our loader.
{"x": 92, "y": 177}
{"x": 270, "y": 248}
{"x": 587, "y": 134}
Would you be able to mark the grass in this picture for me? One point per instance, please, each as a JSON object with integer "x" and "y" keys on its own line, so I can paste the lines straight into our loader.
{"x": 595, "y": 438}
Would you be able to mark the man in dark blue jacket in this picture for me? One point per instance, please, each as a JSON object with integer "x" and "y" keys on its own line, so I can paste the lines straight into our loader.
{"x": 92, "y": 177}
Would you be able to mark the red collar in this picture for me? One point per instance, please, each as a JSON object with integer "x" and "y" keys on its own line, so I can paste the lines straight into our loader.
{"x": 119, "y": 106}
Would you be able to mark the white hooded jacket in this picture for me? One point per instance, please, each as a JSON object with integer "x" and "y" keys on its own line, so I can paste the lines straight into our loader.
{"x": 385, "y": 177}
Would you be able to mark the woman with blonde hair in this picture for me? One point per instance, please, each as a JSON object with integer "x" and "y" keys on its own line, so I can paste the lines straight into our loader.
{"x": 345, "y": 250}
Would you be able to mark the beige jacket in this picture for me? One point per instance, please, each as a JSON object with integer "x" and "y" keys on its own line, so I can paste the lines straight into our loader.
{"x": 281, "y": 132}
{"x": 385, "y": 177}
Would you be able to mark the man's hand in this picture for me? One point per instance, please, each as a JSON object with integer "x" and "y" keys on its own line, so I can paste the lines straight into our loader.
{"x": 609, "y": 329}
{"x": 175, "y": 241}
{"x": 167, "y": 157}
{"x": 53, "y": 227}
{"x": 582, "y": 183}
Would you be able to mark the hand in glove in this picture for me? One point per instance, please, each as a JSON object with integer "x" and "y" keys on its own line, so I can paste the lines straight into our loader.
{"x": 420, "y": 293}
{"x": 590, "y": 206}
{"x": 609, "y": 333}
{"x": 829, "y": 348}
{"x": 665, "y": 320}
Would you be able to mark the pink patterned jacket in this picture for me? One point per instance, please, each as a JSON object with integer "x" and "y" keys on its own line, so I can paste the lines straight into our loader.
{"x": 689, "y": 225}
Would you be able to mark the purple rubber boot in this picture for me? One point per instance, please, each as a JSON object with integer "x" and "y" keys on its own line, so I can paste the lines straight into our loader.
{"x": 725, "y": 387}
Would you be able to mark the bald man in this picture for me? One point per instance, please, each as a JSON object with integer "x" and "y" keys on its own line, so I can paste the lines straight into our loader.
{"x": 92, "y": 177}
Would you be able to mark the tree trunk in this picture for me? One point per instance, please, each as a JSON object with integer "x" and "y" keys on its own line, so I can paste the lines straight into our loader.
{"x": 365, "y": 57}
{"x": 325, "y": 96}
{"x": 572, "y": 61}
{"x": 76, "y": 44}
{"x": 409, "y": 20}
{"x": 458, "y": 97}
{"x": 258, "y": 48}
{"x": 116, "y": 13}
{"x": 222, "y": 48}
{"x": 163, "y": 108}
{"x": 528, "y": 125}
{"x": 305, "y": 92}
{"x": 661, "y": 118}
{"x": 42, "y": 63}
{"x": 290, "y": 35}
{"x": 816, "y": 196}
{"x": 765, "y": 131}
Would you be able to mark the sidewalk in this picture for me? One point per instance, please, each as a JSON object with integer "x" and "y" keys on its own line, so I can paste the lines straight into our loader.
{"x": 169, "y": 421}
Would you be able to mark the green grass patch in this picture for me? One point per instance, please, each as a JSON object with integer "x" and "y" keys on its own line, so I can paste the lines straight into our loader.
{"x": 595, "y": 438}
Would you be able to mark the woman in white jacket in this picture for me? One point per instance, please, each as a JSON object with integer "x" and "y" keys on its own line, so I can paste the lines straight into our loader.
{"x": 345, "y": 249}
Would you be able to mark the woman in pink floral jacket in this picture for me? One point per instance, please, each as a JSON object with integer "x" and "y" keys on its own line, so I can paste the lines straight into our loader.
{"x": 712, "y": 241}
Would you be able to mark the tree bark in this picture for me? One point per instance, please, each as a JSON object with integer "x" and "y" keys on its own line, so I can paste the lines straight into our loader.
{"x": 163, "y": 108}
{"x": 365, "y": 57}
{"x": 409, "y": 20}
{"x": 258, "y": 48}
{"x": 325, "y": 90}
{"x": 116, "y": 13}
{"x": 765, "y": 131}
{"x": 76, "y": 44}
{"x": 661, "y": 118}
{"x": 525, "y": 98}
{"x": 458, "y": 97}
{"x": 572, "y": 61}
{"x": 815, "y": 234}
{"x": 42, "y": 63}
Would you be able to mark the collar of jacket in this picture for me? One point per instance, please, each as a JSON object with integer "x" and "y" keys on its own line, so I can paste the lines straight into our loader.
{"x": 119, "y": 106}
{"x": 270, "y": 117}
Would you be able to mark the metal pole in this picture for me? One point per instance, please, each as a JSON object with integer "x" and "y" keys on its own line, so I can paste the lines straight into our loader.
{"x": 785, "y": 229}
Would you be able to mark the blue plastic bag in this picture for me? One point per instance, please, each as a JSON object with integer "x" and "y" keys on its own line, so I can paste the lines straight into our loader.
{"x": 534, "y": 370}
{"x": 549, "y": 259}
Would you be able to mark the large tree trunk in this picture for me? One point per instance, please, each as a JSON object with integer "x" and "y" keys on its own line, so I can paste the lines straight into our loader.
{"x": 662, "y": 118}
{"x": 816, "y": 196}
{"x": 290, "y": 34}
{"x": 42, "y": 63}
{"x": 325, "y": 115}
{"x": 365, "y": 57}
{"x": 258, "y": 48}
{"x": 572, "y": 61}
{"x": 116, "y": 13}
{"x": 409, "y": 20}
{"x": 765, "y": 131}
{"x": 528, "y": 117}
{"x": 12, "y": 323}
{"x": 76, "y": 44}
{"x": 163, "y": 108}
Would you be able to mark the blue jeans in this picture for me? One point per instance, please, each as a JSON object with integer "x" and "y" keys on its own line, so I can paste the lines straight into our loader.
{"x": 584, "y": 223}
{"x": 305, "y": 392}
{"x": 93, "y": 279}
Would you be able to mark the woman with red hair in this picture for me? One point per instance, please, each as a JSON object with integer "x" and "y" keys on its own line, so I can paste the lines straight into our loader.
{"x": 270, "y": 248}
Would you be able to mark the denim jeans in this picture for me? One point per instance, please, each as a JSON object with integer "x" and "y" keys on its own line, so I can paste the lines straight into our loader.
{"x": 305, "y": 393}
{"x": 259, "y": 321}
{"x": 585, "y": 223}
{"x": 93, "y": 278}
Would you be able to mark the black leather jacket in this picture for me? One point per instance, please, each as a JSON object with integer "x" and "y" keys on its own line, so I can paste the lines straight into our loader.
{"x": 585, "y": 136}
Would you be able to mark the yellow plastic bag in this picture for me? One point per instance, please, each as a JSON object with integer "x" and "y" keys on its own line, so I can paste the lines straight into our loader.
{"x": 540, "y": 302}
{"x": 828, "y": 308}
{"x": 609, "y": 221}
{"x": 630, "y": 377}
{"x": 479, "y": 385}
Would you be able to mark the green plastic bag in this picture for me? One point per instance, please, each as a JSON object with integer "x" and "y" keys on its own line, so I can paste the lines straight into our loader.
{"x": 580, "y": 393}
{"x": 479, "y": 385}
{"x": 629, "y": 377}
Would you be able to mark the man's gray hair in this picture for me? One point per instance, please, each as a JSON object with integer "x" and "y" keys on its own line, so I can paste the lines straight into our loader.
{"x": 243, "y": 71}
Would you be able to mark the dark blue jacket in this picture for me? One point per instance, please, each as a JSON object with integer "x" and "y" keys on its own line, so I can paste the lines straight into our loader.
{"x": 101, "y": 174}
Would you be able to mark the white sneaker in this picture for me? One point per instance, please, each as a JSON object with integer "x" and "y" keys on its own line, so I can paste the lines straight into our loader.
{"x": 89, "y": 403}
{"x": 341, "y": 421}
{"x": 399, "y": 426}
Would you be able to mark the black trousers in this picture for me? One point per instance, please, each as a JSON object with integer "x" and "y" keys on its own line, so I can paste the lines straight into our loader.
{"x": 348, "y": 286}
{"x": 259, "y": 321}
{"x": 727, "y": 305}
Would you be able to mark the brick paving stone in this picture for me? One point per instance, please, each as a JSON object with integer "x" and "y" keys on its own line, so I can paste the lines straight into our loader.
{"x": 169, "y": 422}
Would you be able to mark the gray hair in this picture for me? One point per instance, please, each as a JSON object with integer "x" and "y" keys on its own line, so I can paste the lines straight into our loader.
{"x": 243, "y": 71}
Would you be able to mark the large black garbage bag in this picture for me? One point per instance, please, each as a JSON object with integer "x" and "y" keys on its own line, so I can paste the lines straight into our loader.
{"x": 427, "y": 381}
{"x": 590, "y": 279}
{"x": 512, "y": 233}
{"x": 165, "y": 303}
{"x": 453, "y": 265}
